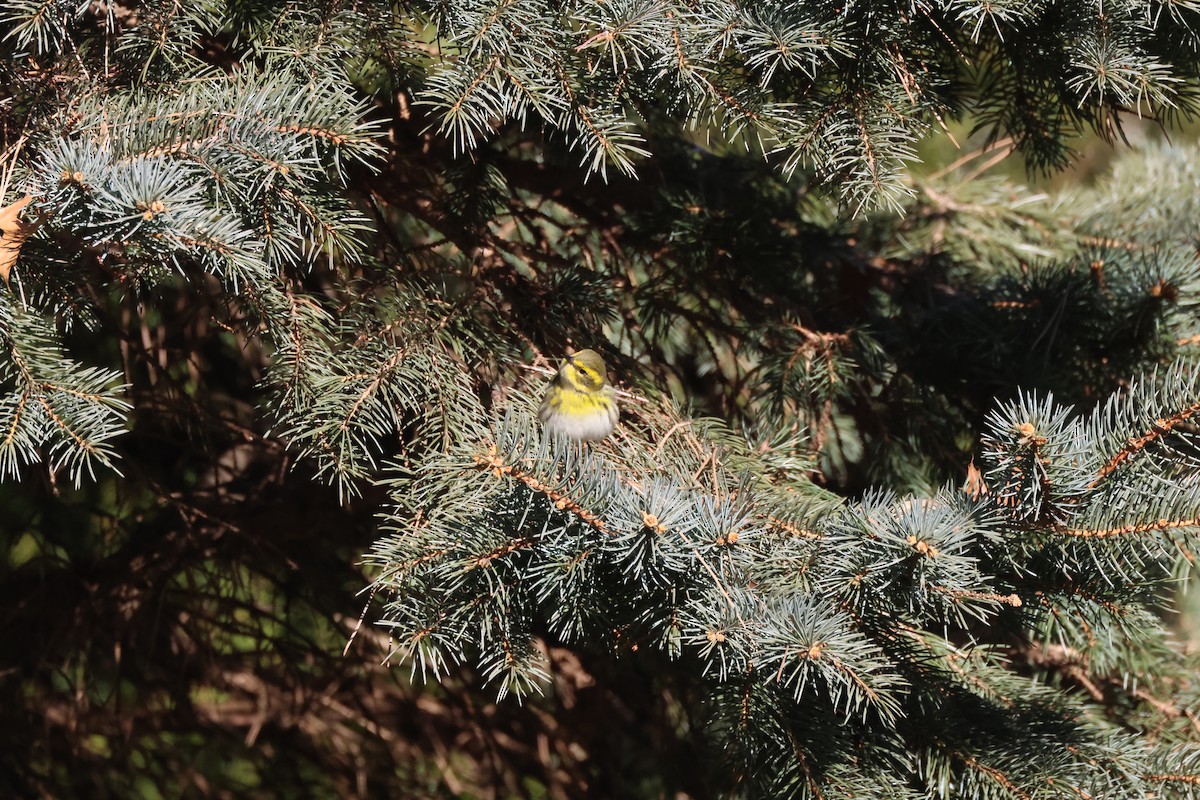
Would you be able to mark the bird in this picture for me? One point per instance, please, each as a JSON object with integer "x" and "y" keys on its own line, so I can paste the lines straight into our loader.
{"x": 580, "y": 403}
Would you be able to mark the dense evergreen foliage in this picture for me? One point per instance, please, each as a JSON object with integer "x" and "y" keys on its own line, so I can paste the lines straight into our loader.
{"x": 907, "y": 475}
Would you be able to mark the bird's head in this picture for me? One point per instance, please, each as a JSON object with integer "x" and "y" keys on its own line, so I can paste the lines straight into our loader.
{"x": 584, "y": 371}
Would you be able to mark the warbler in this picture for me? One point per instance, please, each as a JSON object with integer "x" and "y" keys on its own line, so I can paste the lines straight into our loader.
{"x": 580, "y": 402}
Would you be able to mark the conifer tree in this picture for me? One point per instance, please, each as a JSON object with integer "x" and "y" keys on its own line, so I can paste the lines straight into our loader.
{"x": 907, "y": 476}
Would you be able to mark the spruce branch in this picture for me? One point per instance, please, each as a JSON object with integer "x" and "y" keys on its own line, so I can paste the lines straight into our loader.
{"x": 53, "y": 409}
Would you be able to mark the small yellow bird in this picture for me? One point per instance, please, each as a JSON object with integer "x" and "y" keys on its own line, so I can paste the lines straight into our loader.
{"x": 580, "y": 403}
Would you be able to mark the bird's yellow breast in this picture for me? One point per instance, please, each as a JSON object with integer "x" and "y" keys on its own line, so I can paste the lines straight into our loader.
{"x": 575, "y": 403}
